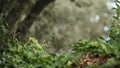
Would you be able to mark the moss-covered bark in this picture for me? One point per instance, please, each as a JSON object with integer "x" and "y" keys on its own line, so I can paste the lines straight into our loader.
{"x": 20, "y": 14}
{"x": 34, "y": 13}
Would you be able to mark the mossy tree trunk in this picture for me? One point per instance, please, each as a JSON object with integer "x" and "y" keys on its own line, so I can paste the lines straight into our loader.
{"x": 20, "y": 14}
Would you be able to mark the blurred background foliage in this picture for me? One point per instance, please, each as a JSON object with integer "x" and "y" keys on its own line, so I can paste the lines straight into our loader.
{"x": 66, "y": 21}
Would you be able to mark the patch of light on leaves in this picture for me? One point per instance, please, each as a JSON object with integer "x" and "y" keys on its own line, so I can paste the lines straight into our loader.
{"x": 95, "y": 19}
{"x": 106, "y": 28}
{"x": 106, "y": 37}
{"x": 110, "y": 5}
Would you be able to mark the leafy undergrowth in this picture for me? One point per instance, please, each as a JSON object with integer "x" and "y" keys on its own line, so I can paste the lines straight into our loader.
{"x": 101, "y": 54}
{"x": 85, "y": 54}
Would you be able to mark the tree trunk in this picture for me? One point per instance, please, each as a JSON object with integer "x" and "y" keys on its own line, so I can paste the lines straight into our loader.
{"x": 15, "y": 13}
{"x": 20, "y": 14}
{"x": 34, "y": 13}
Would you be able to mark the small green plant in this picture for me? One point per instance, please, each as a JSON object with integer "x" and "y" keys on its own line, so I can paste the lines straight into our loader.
{"x": 30, "y": 55}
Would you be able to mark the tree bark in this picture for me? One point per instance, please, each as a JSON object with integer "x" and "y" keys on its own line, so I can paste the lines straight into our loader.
{"x": 13, "y": 10}
{"x": 34, "y": 13}
{"x": 20, "y": 14}
{"x": 15, "y": 13}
